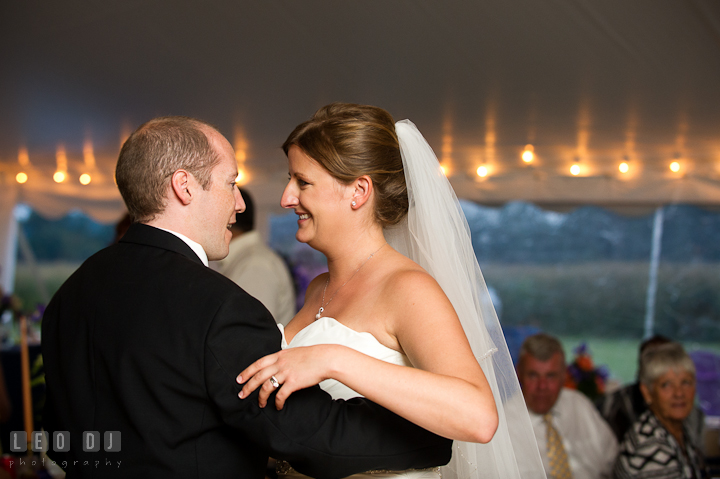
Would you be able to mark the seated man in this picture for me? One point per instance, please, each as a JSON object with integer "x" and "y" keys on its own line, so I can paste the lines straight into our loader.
{"x": 573, "y": 438}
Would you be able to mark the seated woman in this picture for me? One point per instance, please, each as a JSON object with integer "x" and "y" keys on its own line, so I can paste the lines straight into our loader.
{"x": 657, "y": 445}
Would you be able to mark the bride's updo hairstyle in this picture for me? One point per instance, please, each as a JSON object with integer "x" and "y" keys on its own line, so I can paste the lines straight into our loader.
{"x": 350, "y": 141}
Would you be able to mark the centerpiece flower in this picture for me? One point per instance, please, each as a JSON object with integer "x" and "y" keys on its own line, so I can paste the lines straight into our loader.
{"x": 584, "y": 376}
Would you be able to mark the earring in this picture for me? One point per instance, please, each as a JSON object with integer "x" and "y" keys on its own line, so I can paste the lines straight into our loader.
{"x": 353, "y": 203}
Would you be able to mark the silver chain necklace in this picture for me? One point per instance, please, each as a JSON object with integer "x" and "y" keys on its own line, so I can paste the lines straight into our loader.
{"x": 320, "y": 311}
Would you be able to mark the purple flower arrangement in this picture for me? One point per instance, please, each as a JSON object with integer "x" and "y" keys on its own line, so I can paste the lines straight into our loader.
{"x": 584, "y": 376}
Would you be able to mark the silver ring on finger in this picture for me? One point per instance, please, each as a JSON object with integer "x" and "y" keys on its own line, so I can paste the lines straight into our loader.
{"x": 275, "y": 383}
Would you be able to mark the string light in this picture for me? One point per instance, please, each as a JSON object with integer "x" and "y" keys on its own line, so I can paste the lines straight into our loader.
{"x": 575, "y": 168}
{"x": 61, "y": 159}
{"x": 482, "y": 171}
{"x": 89, "y": 159}
{"x": 528, "y": 154}
{"x": 24, "y": 160}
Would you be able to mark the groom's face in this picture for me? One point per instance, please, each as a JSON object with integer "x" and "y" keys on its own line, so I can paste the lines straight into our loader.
{"x": 219, "y": 203}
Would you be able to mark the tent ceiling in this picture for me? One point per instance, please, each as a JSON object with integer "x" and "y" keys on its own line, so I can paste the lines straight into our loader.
{"x": 581, "y": 80}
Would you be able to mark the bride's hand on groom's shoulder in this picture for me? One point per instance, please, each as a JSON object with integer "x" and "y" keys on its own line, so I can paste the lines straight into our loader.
{"x": 288, "y": 371}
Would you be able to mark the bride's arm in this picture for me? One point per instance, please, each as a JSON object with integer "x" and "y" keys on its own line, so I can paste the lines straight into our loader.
{"x": 449, "y": 388}
{"x": 446, "y": 392}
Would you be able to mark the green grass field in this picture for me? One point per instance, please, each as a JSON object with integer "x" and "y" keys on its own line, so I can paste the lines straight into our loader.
{"x": 607, "y": 299}
{"x": 621, "y": 355}
{"x": 52, "y": 276}
{"x": 601, "y": 304}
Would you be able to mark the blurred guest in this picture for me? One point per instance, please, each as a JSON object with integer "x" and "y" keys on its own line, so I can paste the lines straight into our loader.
{"x": 256, "y": 268}
{"x": 8, "y": 302}
{"x": 658, "y": 445}
{"x": 574, "y": 440}
{"x": 5, "y": 404}
{"x": 623, "y": 407}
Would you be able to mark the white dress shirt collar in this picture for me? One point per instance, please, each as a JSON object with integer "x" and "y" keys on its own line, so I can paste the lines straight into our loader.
{"x": 199, "y": 251}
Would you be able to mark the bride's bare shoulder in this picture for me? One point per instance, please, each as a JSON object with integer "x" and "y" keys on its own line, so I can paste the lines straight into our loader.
{"x": 413, "y": 301}
{"x": 407, "y": 280}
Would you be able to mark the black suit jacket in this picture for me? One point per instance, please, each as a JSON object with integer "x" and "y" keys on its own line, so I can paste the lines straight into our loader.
{"x": 146, "y": 340}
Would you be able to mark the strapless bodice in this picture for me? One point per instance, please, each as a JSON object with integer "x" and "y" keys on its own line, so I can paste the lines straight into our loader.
{"x": 330, "y": 331}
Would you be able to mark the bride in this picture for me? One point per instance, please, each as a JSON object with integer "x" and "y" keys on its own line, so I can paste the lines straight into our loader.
{"x": 403, "y": 289}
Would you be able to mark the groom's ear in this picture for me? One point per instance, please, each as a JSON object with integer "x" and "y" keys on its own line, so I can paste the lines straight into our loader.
{"x": 363, "y": 187}
{"x": 181, "y": 186}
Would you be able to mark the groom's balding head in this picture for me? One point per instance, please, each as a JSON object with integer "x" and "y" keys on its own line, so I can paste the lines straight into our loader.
{"x": 155, "y": 151}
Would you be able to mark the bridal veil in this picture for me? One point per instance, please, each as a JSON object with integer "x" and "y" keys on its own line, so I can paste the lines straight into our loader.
{"x": 435, "y": 235}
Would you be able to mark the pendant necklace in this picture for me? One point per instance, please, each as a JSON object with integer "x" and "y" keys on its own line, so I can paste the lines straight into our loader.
{"x": 322, "y": 304}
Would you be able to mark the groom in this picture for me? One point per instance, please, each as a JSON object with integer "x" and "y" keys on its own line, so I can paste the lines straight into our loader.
{"x": 145, "y": 340}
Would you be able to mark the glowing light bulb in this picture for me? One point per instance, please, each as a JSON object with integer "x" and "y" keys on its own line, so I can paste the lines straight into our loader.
{"x": 21, "y": 177}
{"x": 240, "y": 177}
{"x": 443, "y": 169}
{"x": 59, "y": 176}
{"x": 528, "y": 155}
{"x": 85, "y": 179}
{"x": 624, "y": 168}
{"x": 674, "y": 166}
{"x": 575, "y": 169}
{"x": 482, "y": 171}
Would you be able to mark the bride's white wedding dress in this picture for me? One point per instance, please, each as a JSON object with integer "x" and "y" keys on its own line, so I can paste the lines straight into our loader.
{"x": 329, "y": 331}
{"x": 435, "y": 235}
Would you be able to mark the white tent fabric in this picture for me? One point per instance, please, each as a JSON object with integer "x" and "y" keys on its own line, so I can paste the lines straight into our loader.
{"x": 102, "y": 203}
{"x": 586, "y": 83}
{"x": 582, "y": 81}
{"x": 8, "y": 238}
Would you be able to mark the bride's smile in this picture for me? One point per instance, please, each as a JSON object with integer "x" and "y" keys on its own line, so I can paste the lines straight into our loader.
{"x": 320, "y": 201}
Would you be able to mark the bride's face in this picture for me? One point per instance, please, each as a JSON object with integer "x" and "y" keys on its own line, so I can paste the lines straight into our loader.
{"x": 320, "y": 201}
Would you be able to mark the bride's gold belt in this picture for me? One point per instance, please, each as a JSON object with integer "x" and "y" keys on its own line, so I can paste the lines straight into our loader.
{"x": 284, "y": 467}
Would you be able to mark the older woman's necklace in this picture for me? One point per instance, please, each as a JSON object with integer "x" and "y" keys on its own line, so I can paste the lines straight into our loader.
{"x": 322, "y": 304}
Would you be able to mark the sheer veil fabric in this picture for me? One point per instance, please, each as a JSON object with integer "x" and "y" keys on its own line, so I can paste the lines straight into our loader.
{"x": 435, "y": 234}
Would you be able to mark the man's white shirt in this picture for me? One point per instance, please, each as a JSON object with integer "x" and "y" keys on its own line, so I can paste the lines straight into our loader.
{"x": 257, "y": 269}
{"x": 193, "y": 245}
{"x": 588, "y": 440}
